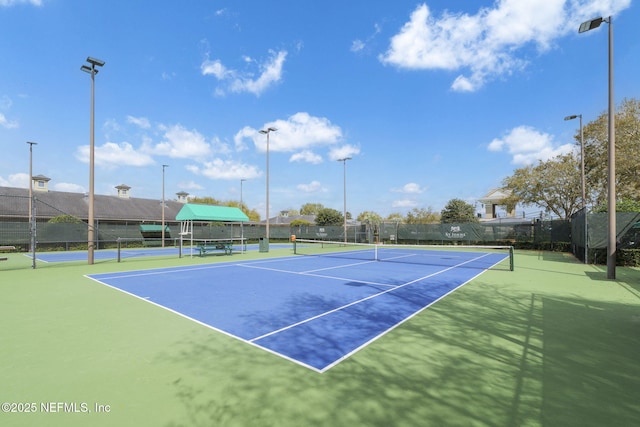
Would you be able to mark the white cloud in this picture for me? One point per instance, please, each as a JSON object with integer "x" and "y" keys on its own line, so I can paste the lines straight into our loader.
{"x": 18, "y": 180}
{"x": 404, "y": 203}
{"x": 181, "y": 143}
{"x": 111, "y": 154}
{"x": 189, "y": 185}
{"x": 343, "y": 152}
{"x": 489, "y": 43}
{"x": 306, "y": 156}
{"x": 301, "y": 131}
{"x": 527, "y": 145}
{"x": 270, "y": 73}
{"x": 8, "y": 3}
{"x": 5, "y": 104}
{"x": 5, "y": 123}
{"x": 312, "y": 187}
{"x": 357, "y": 45}
{"x": 141, "y": 122}
{"x": 69, "y": 187}
{"x": 224, "y": 169}
{"x": 215, "y": 68}
{"x": 410, "y": 188}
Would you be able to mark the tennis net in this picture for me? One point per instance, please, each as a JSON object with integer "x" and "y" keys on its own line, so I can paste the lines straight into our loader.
{"x": 471, "y": 256}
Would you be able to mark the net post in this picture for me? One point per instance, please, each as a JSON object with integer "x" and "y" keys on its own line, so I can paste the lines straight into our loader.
{"x": 119, "y": 247}
{"x": 511, "y": 266}
{"x": 295, "y": 252}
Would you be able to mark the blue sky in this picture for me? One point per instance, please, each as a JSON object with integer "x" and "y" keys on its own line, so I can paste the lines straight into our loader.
{"x": 432, "y": 100}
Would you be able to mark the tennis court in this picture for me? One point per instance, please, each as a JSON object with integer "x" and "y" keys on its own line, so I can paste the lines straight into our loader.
{"x": 551, "y": 343}
{"x": 314, "y": 310}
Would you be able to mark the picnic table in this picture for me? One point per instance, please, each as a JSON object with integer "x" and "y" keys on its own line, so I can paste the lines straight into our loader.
{"x": 215, "y": 246}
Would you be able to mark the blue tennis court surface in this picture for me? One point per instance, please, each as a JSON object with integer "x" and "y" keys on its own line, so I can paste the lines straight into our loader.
{"x": 311, "y": 310}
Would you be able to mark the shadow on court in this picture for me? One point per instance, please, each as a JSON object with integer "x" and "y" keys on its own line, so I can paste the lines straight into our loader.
{"x": 480, "y": 357}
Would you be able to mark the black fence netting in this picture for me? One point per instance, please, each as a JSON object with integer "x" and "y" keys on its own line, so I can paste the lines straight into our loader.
{"x": 583, "y": 235}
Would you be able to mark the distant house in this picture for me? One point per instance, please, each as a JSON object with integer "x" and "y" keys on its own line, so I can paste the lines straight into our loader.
{"x": 492, "y": 200}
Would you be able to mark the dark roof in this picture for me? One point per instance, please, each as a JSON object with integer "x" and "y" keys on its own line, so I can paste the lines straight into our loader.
{"x": 14, "y": 203}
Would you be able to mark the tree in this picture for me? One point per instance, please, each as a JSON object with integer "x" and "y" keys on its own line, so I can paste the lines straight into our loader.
{"x": 596, "y": 138}
{"x": 65, "y": 219}
{"x": 555, "y": 185}
{"x": 328, "y": 216}
{"x": 422, "y": 216}
{"x": 292, "y": 212}
{"x": 253, "y": 215}
{"x": 369, "y": 216}
{"x": 625, "y": 205}
{"x": 458, "y": 211}
{"x": 311, "y": 208}
{"x": 395, "y": 217}
{"x": 207, "y": 200}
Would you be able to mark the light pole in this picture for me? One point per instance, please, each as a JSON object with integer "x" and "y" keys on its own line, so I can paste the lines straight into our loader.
{"x": 32, "y": 219}
{"x": 611, "y": 202}
{"x": 163, "y": 167}
{"x": 584, "y": 187}
{"x": 267, "y": 132}
{"x": 344, "y": 163}
{"x": 241, "y": 224}
{"x": 91, "y": 230}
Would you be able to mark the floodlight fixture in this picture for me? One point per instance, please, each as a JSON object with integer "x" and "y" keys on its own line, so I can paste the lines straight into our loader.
{"x": 266, "y": 132}
{"x": 590, "y": 25}
{"x": 95, "y": 61}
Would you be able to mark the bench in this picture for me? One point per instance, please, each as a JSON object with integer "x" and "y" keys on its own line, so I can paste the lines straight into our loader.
{"x": 205, "y": 248}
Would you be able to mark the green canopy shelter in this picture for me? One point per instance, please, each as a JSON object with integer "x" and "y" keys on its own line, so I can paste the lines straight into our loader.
{"x": 195, "y": 212}
{"x": 191, "y": 212}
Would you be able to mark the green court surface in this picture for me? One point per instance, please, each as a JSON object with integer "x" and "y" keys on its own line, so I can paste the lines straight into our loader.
{"x": 553, "y": 343}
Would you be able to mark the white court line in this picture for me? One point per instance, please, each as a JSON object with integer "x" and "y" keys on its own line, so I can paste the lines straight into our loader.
{"x": 166, "y": 270}
{"x": 304, "y": 273}
{"x": 363, "y": 299}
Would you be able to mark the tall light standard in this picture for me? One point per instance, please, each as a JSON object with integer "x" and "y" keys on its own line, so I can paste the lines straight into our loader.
{"x": 91, "y": 230}
{"x": 163, "y": 167}
{"x": 344, "y": 163}
{"x": 267, "y": 132}
{"x": 584, "y": 187}
{"x": 32, "y": 219}
{"x": 241, "y": 224}
{"x": 611, "y": 202}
